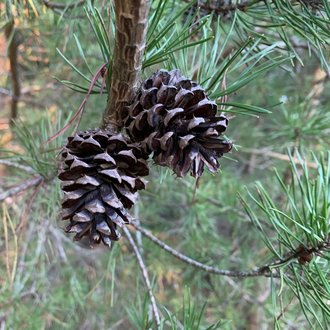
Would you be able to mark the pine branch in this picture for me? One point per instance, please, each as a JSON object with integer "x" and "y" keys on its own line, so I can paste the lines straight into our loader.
{"x": 261, "y": 271}
{"x": 13, "y": 43}
{"x": 227, "y": 8}
{"x": 21, "y": 187}
{"x": 145, "y": 275}
{"x": 28, "y": 207}
{"x": 62, "y": 8}
{"x": 314, "y": 4}
{"x": 303, "y": 254}
{"x": 56, "y": 5}
{"x": 131, "y": 29}
{"x": 24, "y": 168}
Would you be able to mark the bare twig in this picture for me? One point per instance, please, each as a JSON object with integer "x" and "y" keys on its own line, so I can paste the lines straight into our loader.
{"x": 138, "y": 234}
{"x": 27, "y": 208}
{"x": 131, "y": 29}
{"x": 261, "y": 271}
{"x": 26, "y": 169}
{"x": 21, "y": 187}
{"x": 303, "y": 254}
{"x": 145, "y": 275}
{"x": 277, "y": 155}
{"x": 13, "y": 43}
{"x": 63, "y": 9}
{"x": 56, "y": 5}
{"x": 224, "y": 9}
{"x": 79, "y": 112}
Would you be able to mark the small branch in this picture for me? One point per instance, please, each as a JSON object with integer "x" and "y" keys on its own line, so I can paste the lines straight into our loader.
{"x": 13, "y": 40}
{"x": 261, "y": 271}
{"x": 303, "y": 254}
{"x": 81, "y": 108}
{"x": 278, "y": 155}
{"x": 224, "y": 9}
{"x": 26, "y": 169}
{"x": 27, "y": 208}
{"x": 55, "y": 5}
{"x": 131, "y": 30}
{"x": 145, "y": 276}
{"x": 21, "y": 187}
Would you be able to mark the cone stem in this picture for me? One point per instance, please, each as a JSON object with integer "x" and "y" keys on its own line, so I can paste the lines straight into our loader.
{"x": 131, "y": 29}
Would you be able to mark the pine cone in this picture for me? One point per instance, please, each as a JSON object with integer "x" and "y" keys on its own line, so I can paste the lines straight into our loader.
{"x": 100, "y": 178}
{"x": 173, "y": 117}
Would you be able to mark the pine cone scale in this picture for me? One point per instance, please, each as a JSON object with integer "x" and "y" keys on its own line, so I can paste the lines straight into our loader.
{"x": 100, "y": 178}
{"x": 83, "y": 216}
{"x": 173, "y": 118}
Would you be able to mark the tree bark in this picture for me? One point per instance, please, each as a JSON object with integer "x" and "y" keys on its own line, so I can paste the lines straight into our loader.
{"x": 131, "y": 28}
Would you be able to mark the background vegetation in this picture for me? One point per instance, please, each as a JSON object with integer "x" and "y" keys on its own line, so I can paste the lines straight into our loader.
{"x": 266, "y": 64}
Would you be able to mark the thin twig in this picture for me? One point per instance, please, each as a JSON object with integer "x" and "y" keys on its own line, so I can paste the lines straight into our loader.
{"x": 21, "y": 187}
{"x": 27, "y": 208}
{"x": 77, "y": 116}
{"x": 138, "y": 234}
{"x": 277, "y": 155}
{"x": 224, "y": 9}
{"x": 13, "y": 43}
{"x": 261, "y": 271}
{"x": 56, "y": 5}
{"x": 26, "y": 169}
{"x": 145, "y": 275}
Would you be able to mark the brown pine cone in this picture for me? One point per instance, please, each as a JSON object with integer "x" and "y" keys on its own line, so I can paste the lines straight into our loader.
{"x": 100, "y": 177}
{"x": 173, "y": 118}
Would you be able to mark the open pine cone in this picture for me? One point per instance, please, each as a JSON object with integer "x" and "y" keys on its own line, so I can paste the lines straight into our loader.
{"x": 100, "y": 178}
{"x": 174, "y": 119}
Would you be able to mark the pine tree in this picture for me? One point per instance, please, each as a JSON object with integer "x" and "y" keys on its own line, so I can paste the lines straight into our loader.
{"x": 174, "y": 78}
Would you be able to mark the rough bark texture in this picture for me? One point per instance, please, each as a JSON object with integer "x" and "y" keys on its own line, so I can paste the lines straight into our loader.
{"x": 131, "y": 27}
